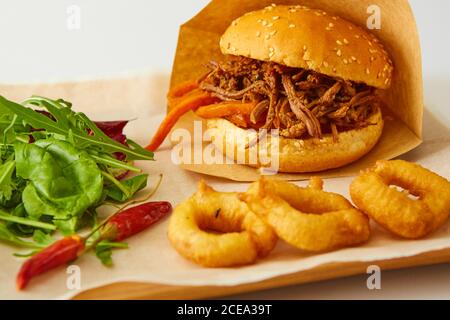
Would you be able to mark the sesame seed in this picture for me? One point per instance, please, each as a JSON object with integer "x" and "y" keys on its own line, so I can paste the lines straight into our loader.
{"x": 372, "y": 59}
{"x": 292, "y": 26}
{"x": 387, "y": 81}
{"x": 353, "y": 58}
{"x": 370, "y": 43}
{"x": 270, "y": 25}
{"x": 331, "y": 25}
{"x": 304, "y": 48}
{"x": 267, "y": 37}
{"x": 234, "y": 23}
{"x": 357, "y": 36}
{"x": 233, "y": 49}
{"x": 328, "y": 28}
{"x": 264, "y": 22}
{"x": 271, "y": 49}
{"x": 317, "y": 13}
{"x": 339, "y": 53}
{"x": 373, "y": 51}
{"x": 339, "y": 42}
{"x": 346, "y": 41}
{"x": 273, "y": 5}
{"x": 334, "y": 70}
{"x": 292, "y": 10}
{"x": 334, "y": 18}
{"x": 345, "y": 61}
{"x": 350, "y": 27}
{"x": 276, "y": 18}
{"x": 259, "y": 20}
{"x": 258, "y": 34}
{"x": 325, "y": 64}
{"x": 367, "y": 71}
{"x": 378, "y": 75}
{"x": 273, "y": 33}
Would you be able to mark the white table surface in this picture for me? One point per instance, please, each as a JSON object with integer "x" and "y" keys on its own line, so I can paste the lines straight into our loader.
{"x": 120, "y": 37}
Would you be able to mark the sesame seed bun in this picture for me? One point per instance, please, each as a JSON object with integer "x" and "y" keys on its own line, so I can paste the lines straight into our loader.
{"x": 296, "y": 155}
{"x": 299, "y": 37}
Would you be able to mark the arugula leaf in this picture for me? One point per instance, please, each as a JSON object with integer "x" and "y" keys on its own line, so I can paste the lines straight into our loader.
{"x": 42, "y": 238}
{"x": 6, "y": 183}
{"x": 25, "y": 221}
{"x": 64, "y": 182}
{"x": 72, "y": 125}
{"x": 133, "y": 185}
{"x": 103, "y": 251}
{"x": 9, "y": 237}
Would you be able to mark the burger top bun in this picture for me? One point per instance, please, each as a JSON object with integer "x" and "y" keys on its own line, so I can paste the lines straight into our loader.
{"x": 300, "y": 37}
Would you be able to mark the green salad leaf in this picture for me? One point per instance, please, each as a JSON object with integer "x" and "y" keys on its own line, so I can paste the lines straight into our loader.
{"x": 6, "y": 180}
{"x": 103, "y": 251}
{"x": 132, "y": 186}
{"x": 56, "y": 168}
{"x": 64, "y": 182}
{"x": 73, "y": 126}
{"x": 11, "y": 238}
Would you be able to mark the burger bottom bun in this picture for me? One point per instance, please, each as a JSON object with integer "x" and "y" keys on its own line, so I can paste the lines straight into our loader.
{"x": 295, "y": 155}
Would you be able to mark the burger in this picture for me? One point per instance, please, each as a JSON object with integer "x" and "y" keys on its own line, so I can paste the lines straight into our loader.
{"x": 312, "y": 76}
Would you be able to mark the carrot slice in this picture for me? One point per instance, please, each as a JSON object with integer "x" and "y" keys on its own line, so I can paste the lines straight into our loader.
{"x": 173, "y": 101}
{"x": 190, "y": 102}
{"x": 224, "y": 109}
{"x": 182, "y": 89}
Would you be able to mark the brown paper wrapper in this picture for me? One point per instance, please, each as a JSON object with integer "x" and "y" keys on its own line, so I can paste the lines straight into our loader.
{"x": 199, "y": 42}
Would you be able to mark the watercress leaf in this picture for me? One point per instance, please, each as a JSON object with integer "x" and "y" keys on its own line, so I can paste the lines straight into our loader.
{"x": 63, "y": 181}
{"x": 133, "y": 185}
{"x": 103, "y": 251}
{"x": 8, "y": 237}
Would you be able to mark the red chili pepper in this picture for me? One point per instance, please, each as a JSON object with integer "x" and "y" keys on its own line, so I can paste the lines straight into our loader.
{"x": 121, "y": 226}
{"x": 55, "y": 255}
{"x": 134, "y": 220}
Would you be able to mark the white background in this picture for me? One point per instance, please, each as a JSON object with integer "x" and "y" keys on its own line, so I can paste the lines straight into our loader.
{"x": 120, "y": 37}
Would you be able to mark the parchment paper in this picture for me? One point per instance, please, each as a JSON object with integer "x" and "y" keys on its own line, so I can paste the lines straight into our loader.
{"x": 150, "y": 257}
{"x": 199, "y": 43}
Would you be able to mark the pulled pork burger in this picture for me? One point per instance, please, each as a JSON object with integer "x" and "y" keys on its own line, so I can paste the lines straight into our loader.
{"x": 311, "y": 75}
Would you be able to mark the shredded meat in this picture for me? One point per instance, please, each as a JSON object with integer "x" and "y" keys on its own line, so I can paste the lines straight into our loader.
{"x": 301, "y": 103}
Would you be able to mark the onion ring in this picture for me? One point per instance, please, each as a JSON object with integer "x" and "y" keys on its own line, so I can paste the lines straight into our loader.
{"x": 216, "y": 229}
{"x": 308, "y": 218}
{"x": 393, "y": 209}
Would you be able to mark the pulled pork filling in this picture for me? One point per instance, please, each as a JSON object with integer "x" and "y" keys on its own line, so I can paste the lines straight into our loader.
{"x": 300, "y": 103}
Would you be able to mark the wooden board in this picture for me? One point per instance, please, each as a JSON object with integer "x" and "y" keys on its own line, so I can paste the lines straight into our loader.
{"x": 325, "y": 272}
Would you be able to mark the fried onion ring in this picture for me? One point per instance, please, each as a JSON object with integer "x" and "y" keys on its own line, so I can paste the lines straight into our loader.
{"x": 216, "y": 229}
{"x": 308, "y": 218}
{"x": 394, "y": 209}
